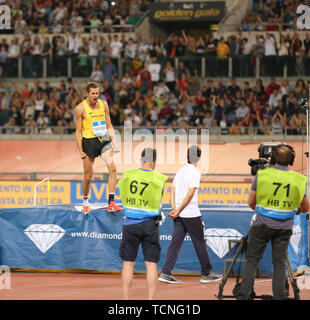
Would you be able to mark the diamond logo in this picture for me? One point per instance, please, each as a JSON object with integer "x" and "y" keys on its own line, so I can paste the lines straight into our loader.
{"x": 217, "y": 239}
{"x": 44, "y": 236}
{"x": 295, "y": 238}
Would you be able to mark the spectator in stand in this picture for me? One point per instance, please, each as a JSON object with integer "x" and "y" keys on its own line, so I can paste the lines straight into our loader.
{"x": 60, "y": 13}
{"x": 233, "y": 88}
{"x": 211, "y": 55}
{"x": 222, "y": 50}
{"x": 41, "y": 120}
{"x": 274, "y": 98}
{"x": 219, "y": 111}
{"x": 170, "y": 76}
{"x": 285, "y": 89}
{"x": 143, "y": 51}
{"x": 255, "y": 115}
{"x": 30, "y": 125}
{"x": 14, "y": 49}
{"x": 116, "y": 47}
{"x": 97, "y": 74}
{"x": 182, "y": 69}
{"x": 246, "y": 50}
{"x": 270, "y": 54}
{"x": 207, "y": 120}
{"x": 109, "y": 71}
{"x": 20, "y": 25}
{"x": 93, "y": 47}
{"x": 299, "y": 88}
{"x": 271, "y": 86}
{"x": 259, "y": 91}
{"x": 10, "y": 127}
{"x": 130, "y": 49}
{"x": 166, "y": 114}
{"x": 133, "y": 18}
{"x": 277, "y": 124}
{"x": 154, "y": 68}
{"x": 245, "y": 26}
{"x": 3, "y": 59}
{"x": 183, "y": 84}
{"x": 242, "y": 110}
{"x": 282, "y": 110}
{"x": 156, "y": 47}
{"x": 283, "y": 52}
{"x": 144, "y": 81}
{"x": 137, "y": 64}
{"x": 161, "y": 89}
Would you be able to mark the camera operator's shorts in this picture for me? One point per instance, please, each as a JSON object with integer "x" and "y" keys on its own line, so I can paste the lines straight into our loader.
{"x": 146, "y": 233}
{"x": 94, "y": 147}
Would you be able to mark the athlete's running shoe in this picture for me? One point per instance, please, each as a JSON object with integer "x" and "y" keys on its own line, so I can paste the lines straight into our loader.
{"x": 112, "y": 207}
{"x": 86, "y": 209}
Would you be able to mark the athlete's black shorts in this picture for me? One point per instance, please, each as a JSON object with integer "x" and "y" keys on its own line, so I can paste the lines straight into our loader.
{"x": 146, "y": 233}
{"x": 94, "y": 147}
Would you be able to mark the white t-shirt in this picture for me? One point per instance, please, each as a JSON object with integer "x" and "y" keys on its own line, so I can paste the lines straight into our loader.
{"x": 270, "y": 49}
{"x": 154, "y": 69}
{"x": 241, "y": 112}
{"x": 115, "y": 49}
{"x": 187, "y": 177}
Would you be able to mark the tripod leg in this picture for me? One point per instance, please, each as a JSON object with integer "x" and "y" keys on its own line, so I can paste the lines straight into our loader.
{"x": 224, "y": 280}
{"x": 292, "y": 279}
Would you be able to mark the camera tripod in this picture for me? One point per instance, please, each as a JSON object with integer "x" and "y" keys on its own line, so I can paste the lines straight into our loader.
{"x": 240, "y": 250}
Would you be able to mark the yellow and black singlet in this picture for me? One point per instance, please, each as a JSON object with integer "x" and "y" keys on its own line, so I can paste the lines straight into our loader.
{"x": 94, "y": 125}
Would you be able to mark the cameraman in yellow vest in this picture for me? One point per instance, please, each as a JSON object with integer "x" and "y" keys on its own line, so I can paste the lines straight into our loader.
{"x": 141, "y": 192}
{"x": 277, "y": 194}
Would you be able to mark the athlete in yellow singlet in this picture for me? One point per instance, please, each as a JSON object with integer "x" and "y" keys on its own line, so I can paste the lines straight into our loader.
{"x": 95, "y": 138}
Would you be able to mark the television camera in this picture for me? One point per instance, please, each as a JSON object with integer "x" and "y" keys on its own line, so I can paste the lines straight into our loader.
{"x": 264, "y": 152}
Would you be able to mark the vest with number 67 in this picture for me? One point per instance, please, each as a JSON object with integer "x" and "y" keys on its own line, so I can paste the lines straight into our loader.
{"x": 141, "y": 193}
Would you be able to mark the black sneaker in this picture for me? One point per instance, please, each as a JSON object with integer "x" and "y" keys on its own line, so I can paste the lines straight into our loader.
{"x": 167, "y": 278}
{"x": 212, "y": 277}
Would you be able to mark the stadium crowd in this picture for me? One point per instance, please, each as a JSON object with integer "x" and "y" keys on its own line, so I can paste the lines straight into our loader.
{"x": 46, "y": 16}
{"x": 276, "y": 50}
{"x": 230, "y": 109}
{"x": 154, "y": 88}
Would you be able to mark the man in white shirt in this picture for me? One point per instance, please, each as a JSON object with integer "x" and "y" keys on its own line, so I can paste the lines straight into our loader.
{"x": 93, "y": 46}
{"x": 242, "y": 110}
{"x": 270, "y": 45}
{"x": 14, "y": 49}
{"x": 274, "y": 98}
{"x": 73, "y": 43}
{"x": 187, "y": 219}
{"x": 270, "y": 54}
{"x": 154, "y": 68}
{"x": 60, "y": 12}
{"x": 160, "y": 89}
{"x": 116, "y": 47}
{"x": 130, "y": 49}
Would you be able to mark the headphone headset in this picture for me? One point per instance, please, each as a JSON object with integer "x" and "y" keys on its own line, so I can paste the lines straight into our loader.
{"x": 291, "y": 154}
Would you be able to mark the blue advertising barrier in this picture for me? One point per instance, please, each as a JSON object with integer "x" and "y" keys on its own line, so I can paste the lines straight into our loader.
{"x": 61, "y": 237}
